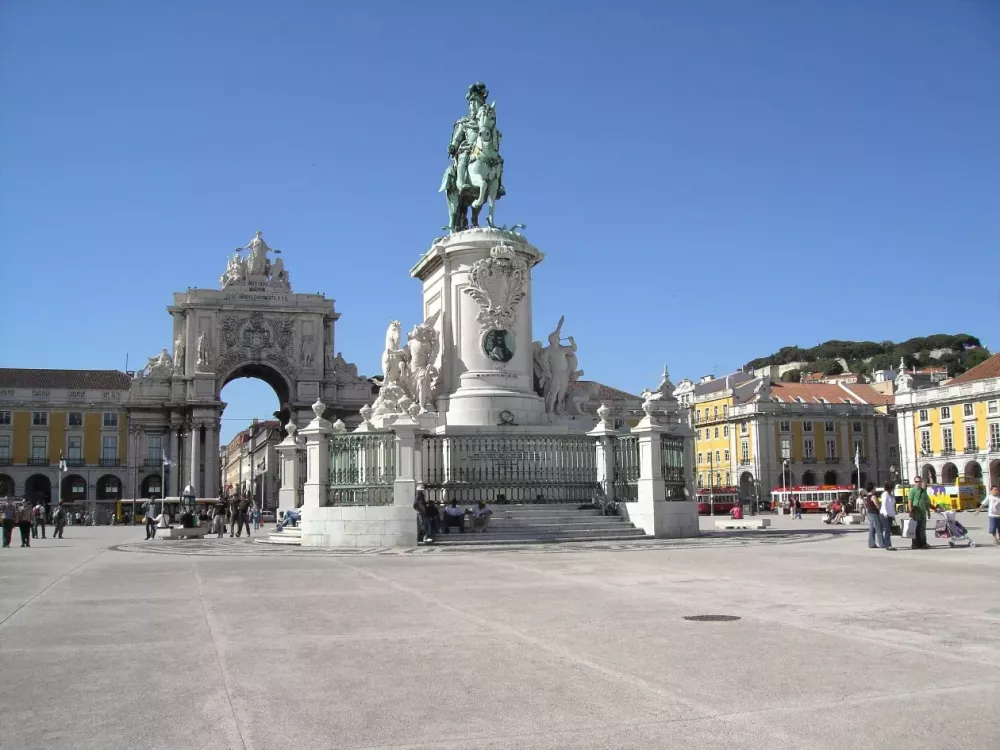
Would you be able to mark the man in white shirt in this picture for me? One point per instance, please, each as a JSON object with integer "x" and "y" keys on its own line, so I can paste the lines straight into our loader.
{"x": 454, "y": 516}
{"x": 888, "y": 513}
{"x": 992, "y": 504}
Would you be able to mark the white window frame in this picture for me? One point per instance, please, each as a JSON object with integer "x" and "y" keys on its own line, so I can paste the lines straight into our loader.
{"x": 39, "y": 419}
{"x": 992, "y": 407}
{"x": 968, "y": 410}
{"x": 994, "y": 436}
{"x": 808, "y": 448}
{"x": 699, "y": 459}
{"x": 107, "y": 440}
{"x": 35, "y": 445}
{"x": 725, "y": 430}
{"x": 157, "y": 454}
{"x": 891, "y": 427}
{"x": 829, "y": 427}
{"x": 718, "y": 460}
{"x": 831, "y": 449}
{"x": 5, "y": 447}
{"x": 945, "y": 413}
{"x": 69, "y": 419}
{"x": 785, "y": 447}
{"x": 725, "y": 455}
{"x": 109, "y": 420}
{"x": 925, "y": 442}
{"x": 893, "y": 452}
{"x": 923, "y": 416}
{"x": 716, "y": 433}
{"x": 784, "y": 426}
{"x": 5, "y": 418}
{"x": 947, "y": 440}
{"x": 71, "y": 450}
{"x": 857, "y": 427}
{"x": 743, "y": 428}
{"x": 807, "y": 426}
{"x": 970, "y": 443}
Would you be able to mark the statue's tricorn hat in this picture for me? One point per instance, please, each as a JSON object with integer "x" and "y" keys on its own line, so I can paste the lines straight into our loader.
{"x": 479, "y": 91}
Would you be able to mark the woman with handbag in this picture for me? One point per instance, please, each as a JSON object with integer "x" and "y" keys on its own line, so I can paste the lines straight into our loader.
{"x": 887, "y": 512}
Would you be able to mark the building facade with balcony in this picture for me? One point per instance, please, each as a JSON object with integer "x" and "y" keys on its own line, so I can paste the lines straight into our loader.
{"x": 951, "y": 432}
{"x": 756, "y": 434}
{"x": 64, "y": 436}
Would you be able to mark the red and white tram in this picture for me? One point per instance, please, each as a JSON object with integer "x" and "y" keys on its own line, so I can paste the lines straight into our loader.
{"x": 718, "y": 501}
{"x": 814, "y": 499}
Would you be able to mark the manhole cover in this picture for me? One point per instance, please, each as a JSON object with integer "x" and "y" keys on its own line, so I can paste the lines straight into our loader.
{"x": 711, "y": 618}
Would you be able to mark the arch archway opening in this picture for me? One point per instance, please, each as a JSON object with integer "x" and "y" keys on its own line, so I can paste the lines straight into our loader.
{"x": 746, "y": 485}
{"x": 808, "y": 479}
{"x": 151, "y": 487}
{"x": 949, "y": 473}
{"x": 929, "y": 474}
{"x": 74, "y": 489}
{"x": 830, "y": 477}
{"x": 109, "y": 487}
{"x": 6, "y": 486}
{"x": 257, "y": 408}
{"x": 38, "y": 489}
{"x": 995, "y": 473}
{"x": 973, "y": 471}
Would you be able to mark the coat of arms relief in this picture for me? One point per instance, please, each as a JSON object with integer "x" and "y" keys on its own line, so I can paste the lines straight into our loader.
{"x": 258, "y": 338}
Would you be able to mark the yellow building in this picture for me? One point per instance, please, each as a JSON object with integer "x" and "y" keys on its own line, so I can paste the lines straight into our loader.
{"x": 753, "y": 435}
{"x": 64, "y": 435}
{"x": 951, "y": 432}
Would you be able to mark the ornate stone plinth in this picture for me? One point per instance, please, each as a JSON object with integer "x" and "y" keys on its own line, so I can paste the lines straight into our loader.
{"x": 480, "y": 282}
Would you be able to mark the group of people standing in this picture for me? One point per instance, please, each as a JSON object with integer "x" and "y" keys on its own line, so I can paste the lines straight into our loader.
{"x": 30, "y": 521}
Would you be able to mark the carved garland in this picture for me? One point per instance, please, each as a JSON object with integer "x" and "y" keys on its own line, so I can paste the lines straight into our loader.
{"x": 256, "y": 338}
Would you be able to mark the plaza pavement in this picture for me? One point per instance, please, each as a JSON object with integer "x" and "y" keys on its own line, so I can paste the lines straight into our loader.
{"x": 584, "y": 646}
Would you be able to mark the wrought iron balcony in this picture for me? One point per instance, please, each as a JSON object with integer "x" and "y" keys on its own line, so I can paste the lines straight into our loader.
{"x": 833, "y": 459}
{"x": 945, "y": 454}
{"x": 808, "y": 460}
{"x": 152, "y": 463}
{"x": 33, "y": 461}
{"x": 971, "y": 449}
{"x": 6, "y": 461}
{"x": 109, "y": 461}
{"x": 74, "y": 462}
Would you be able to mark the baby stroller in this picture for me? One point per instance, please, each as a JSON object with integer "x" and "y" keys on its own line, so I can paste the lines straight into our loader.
{"x": 947, "y": 527}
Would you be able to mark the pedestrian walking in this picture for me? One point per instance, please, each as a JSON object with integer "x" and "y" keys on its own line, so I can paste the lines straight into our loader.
{"x": 992, "y": 504}
{"x": 150, "y": 522}
{"x": 872, "y": 505}
{"x": 424, "y": 528}
{"x": 887, "y": 512}
{"x": 39, "y": 520}
{"x": 9, "y": 514}
{"x": 243, "y": 517}
{"x": 24, "y": 522}
{"x": 58, "y": 522}
{"x": 920, "y": 509}
{"x": 255, "y": 515}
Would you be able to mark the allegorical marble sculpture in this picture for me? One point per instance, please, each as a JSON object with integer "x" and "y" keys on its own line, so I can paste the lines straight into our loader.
{"x": 204, "y": 353}
{"x": 409, "y": 375}
{"x": 256, "y": 268}
{"x": 555, "y": 367}
{"x": 179, "y": 350}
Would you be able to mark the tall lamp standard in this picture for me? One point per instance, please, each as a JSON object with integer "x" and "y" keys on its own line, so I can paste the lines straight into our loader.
{"x": 784, "y": 480}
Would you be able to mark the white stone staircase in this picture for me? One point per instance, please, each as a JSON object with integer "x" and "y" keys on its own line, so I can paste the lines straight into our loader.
{"x": 290, "y": 535}
{"x": 545, "y": 522}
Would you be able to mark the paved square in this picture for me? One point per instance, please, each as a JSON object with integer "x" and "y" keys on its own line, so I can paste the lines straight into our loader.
{"x": 227, "y": 644}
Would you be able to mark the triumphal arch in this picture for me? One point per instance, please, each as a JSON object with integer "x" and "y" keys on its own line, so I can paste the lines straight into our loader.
{"x": 253, "y": 325}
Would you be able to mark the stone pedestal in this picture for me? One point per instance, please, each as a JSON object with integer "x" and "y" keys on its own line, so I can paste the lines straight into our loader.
{"x": 316, "y": 435}
{"x": 480, "y": 282}
{"x": 653, "y": 513}
{"x": 289, "y": 451}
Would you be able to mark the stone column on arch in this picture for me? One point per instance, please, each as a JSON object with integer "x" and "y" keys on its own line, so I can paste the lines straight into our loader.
{"x": 212, "y": 459}
{"x": 195, "y": 455}
{"x": 173, "y": 470}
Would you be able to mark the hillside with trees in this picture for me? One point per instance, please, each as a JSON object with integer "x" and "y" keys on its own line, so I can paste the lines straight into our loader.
{"x": 958, "y": 352}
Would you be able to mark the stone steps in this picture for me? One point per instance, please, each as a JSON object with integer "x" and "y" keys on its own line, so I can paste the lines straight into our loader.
{"x": 527, "y": 524}
{"x": 290, "y": 535}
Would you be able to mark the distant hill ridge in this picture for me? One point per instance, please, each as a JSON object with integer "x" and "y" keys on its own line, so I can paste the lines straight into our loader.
{"x": 958, "y": 352}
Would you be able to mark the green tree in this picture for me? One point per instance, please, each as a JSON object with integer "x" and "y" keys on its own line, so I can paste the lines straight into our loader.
{"x": 792, "y": 376}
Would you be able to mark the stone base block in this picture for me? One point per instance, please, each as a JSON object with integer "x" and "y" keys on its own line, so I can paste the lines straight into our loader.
{"x": 358, "y": 526}
{"x": 179, "y": 533}
{"x": 744, "y": 523}
{"x": 664, "y": 520}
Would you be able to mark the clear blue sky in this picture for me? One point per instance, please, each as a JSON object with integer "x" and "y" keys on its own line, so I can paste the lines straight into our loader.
{"x": 710, "y": 180}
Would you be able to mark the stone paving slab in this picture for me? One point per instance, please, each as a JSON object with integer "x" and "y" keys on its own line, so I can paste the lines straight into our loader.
{"x": 108, "y": 641}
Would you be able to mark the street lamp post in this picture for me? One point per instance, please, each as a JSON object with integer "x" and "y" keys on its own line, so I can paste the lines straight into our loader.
{"x": 784, "y": 479}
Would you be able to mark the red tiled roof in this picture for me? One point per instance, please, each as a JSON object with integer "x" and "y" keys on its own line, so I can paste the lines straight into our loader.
{"x": 604, "y": 392}
{"x": 111, "y": 380}
{"x": 870, "y": 395}
{"x": 984, "y": 370}
{"x": 811, "y": 393}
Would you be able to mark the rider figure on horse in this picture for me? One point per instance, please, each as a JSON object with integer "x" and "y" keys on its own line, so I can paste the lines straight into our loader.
{"x": 463, "y": 139}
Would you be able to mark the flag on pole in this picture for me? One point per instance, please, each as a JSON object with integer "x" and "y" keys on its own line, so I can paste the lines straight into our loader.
{"x": 857, "y": 462}
{"x": 62, "y": 462}
{"x": 167, "y": 461}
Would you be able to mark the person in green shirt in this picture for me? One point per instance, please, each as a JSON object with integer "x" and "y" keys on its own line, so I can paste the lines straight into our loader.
{"x": 920, "y": 510}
